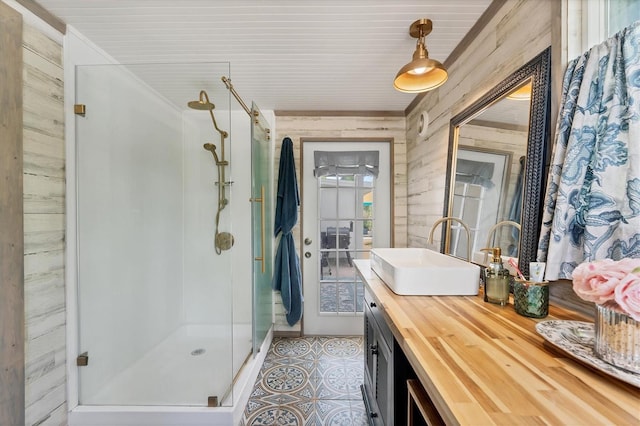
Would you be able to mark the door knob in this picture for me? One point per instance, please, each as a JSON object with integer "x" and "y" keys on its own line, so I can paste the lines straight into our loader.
{"x": 307, "y": 241}
{"x": 307, "y": 255}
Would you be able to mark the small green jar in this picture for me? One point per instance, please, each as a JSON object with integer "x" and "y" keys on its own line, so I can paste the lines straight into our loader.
{"x": 531, "y": 299}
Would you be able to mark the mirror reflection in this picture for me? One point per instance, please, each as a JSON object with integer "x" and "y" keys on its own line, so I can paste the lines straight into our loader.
{"x": 490, "y": 157}
{"x": 489, "y": 183}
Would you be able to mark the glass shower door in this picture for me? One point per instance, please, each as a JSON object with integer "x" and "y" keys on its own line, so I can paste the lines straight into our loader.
{"x": 262, "y": 226}
{"x": 154, "y": 298}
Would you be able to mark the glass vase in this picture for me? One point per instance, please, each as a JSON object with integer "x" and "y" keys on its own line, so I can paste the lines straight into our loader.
{"x": 617, "y": 337}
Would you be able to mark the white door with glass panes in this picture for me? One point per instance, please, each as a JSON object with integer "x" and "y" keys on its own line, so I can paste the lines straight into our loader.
{"x": 346, "y": 210}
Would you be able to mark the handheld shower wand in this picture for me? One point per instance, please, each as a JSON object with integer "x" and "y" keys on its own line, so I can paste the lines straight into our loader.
{"x": 212, "y": 148}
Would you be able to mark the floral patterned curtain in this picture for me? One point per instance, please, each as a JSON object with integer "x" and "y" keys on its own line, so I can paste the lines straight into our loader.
{"x": 592, "y": 203}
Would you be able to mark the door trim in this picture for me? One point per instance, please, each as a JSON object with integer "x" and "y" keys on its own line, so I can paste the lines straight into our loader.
{"x": 390, "y": 141}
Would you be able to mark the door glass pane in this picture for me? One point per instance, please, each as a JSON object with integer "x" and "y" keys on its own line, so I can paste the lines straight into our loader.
{"x": 359, "y": 294}
{"x": 356, "y": 243}
{"x": 327, "y": 202}
{"x": 348, "y": 199}
{"x": 364, "y": 208}
{"x": 346, "y": 181}
{"x": 328, "y": 297}
{"x": 328, "y": 181}
{"x": 346, "y": 270}
{"x": 347, "y": 293}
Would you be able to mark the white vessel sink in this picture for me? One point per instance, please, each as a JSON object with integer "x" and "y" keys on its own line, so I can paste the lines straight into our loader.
{"x": 418, "y": 271}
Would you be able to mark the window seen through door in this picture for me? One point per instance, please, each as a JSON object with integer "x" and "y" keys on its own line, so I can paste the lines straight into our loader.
{"x": 346, "y": 226}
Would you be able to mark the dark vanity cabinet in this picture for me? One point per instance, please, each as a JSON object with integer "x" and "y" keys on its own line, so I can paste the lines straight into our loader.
{"x": 386, "y": 370}
{"x": 378, "y": 380}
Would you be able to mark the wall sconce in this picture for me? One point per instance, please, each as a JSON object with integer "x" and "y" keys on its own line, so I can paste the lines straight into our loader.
{"x": 421, "y": 74}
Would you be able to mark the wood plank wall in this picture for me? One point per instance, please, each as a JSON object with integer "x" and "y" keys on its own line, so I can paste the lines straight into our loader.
{"x": 44, "y": 229}
{"x": 32, "y": 295}
{"x": 515, "y": 34}
{"x": 12, "y": 393}
{"x": 333, "y": 127}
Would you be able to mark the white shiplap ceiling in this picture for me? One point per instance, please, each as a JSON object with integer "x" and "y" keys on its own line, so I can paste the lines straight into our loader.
{"x": 338, "y": 55}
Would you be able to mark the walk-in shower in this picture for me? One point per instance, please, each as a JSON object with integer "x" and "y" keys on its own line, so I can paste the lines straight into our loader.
{"x": 162, "y": 318}
{"x": 222, "y": 240}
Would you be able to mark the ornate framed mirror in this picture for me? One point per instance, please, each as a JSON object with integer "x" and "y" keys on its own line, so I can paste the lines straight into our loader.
{"x": 496, "y": 167}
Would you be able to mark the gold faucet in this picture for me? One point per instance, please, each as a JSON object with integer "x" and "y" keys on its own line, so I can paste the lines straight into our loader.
{"x": 455, "y": 219}
{"x": 492, "y": 230}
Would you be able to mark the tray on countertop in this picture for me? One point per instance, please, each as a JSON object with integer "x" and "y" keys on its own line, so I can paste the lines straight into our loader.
{"x": 577, "y": 338}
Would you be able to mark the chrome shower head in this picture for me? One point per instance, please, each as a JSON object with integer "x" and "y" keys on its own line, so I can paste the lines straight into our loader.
{"x": 202, "y": 104}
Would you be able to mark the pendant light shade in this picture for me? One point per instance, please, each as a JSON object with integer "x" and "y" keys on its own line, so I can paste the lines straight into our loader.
{"x": 421, "y": 74}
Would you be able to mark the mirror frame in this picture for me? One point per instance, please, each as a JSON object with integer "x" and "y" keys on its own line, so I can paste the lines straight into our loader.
{"x": 538, "y": 155}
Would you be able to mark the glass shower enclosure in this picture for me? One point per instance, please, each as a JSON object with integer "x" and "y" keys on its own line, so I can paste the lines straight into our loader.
{"x": 262, "y": 214}
{"x": 162, "y": 315}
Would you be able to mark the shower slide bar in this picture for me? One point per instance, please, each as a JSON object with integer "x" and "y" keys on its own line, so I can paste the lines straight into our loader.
{"x": 227, "y": 82}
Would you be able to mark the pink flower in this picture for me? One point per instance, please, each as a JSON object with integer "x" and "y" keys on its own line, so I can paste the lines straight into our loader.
{"x": 627, "y": 295}
{"x": 597, "y": 281}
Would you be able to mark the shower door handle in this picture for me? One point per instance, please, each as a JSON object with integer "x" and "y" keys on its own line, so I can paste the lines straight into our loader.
{"x": 262, "y": 220}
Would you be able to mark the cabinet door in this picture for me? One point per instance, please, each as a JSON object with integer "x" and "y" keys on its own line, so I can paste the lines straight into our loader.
{"x": 369, "y": 344}
{"x": 370, "y": 392}
{"x": 383, "y": 386}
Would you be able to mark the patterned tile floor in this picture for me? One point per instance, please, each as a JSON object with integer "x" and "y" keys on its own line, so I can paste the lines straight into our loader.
{"x": 309, "y": 381}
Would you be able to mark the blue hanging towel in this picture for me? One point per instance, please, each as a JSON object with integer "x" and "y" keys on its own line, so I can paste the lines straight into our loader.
{"x": 287, "y": 277}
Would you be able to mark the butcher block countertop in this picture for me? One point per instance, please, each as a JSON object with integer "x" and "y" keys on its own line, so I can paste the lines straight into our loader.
{"x": 483, "y": 364}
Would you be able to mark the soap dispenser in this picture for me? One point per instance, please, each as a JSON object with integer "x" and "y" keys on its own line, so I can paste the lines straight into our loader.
{"x": 496, "y": 279}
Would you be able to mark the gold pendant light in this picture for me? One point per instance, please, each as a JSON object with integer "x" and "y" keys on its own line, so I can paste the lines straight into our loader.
{"x": 421, "y": 74}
